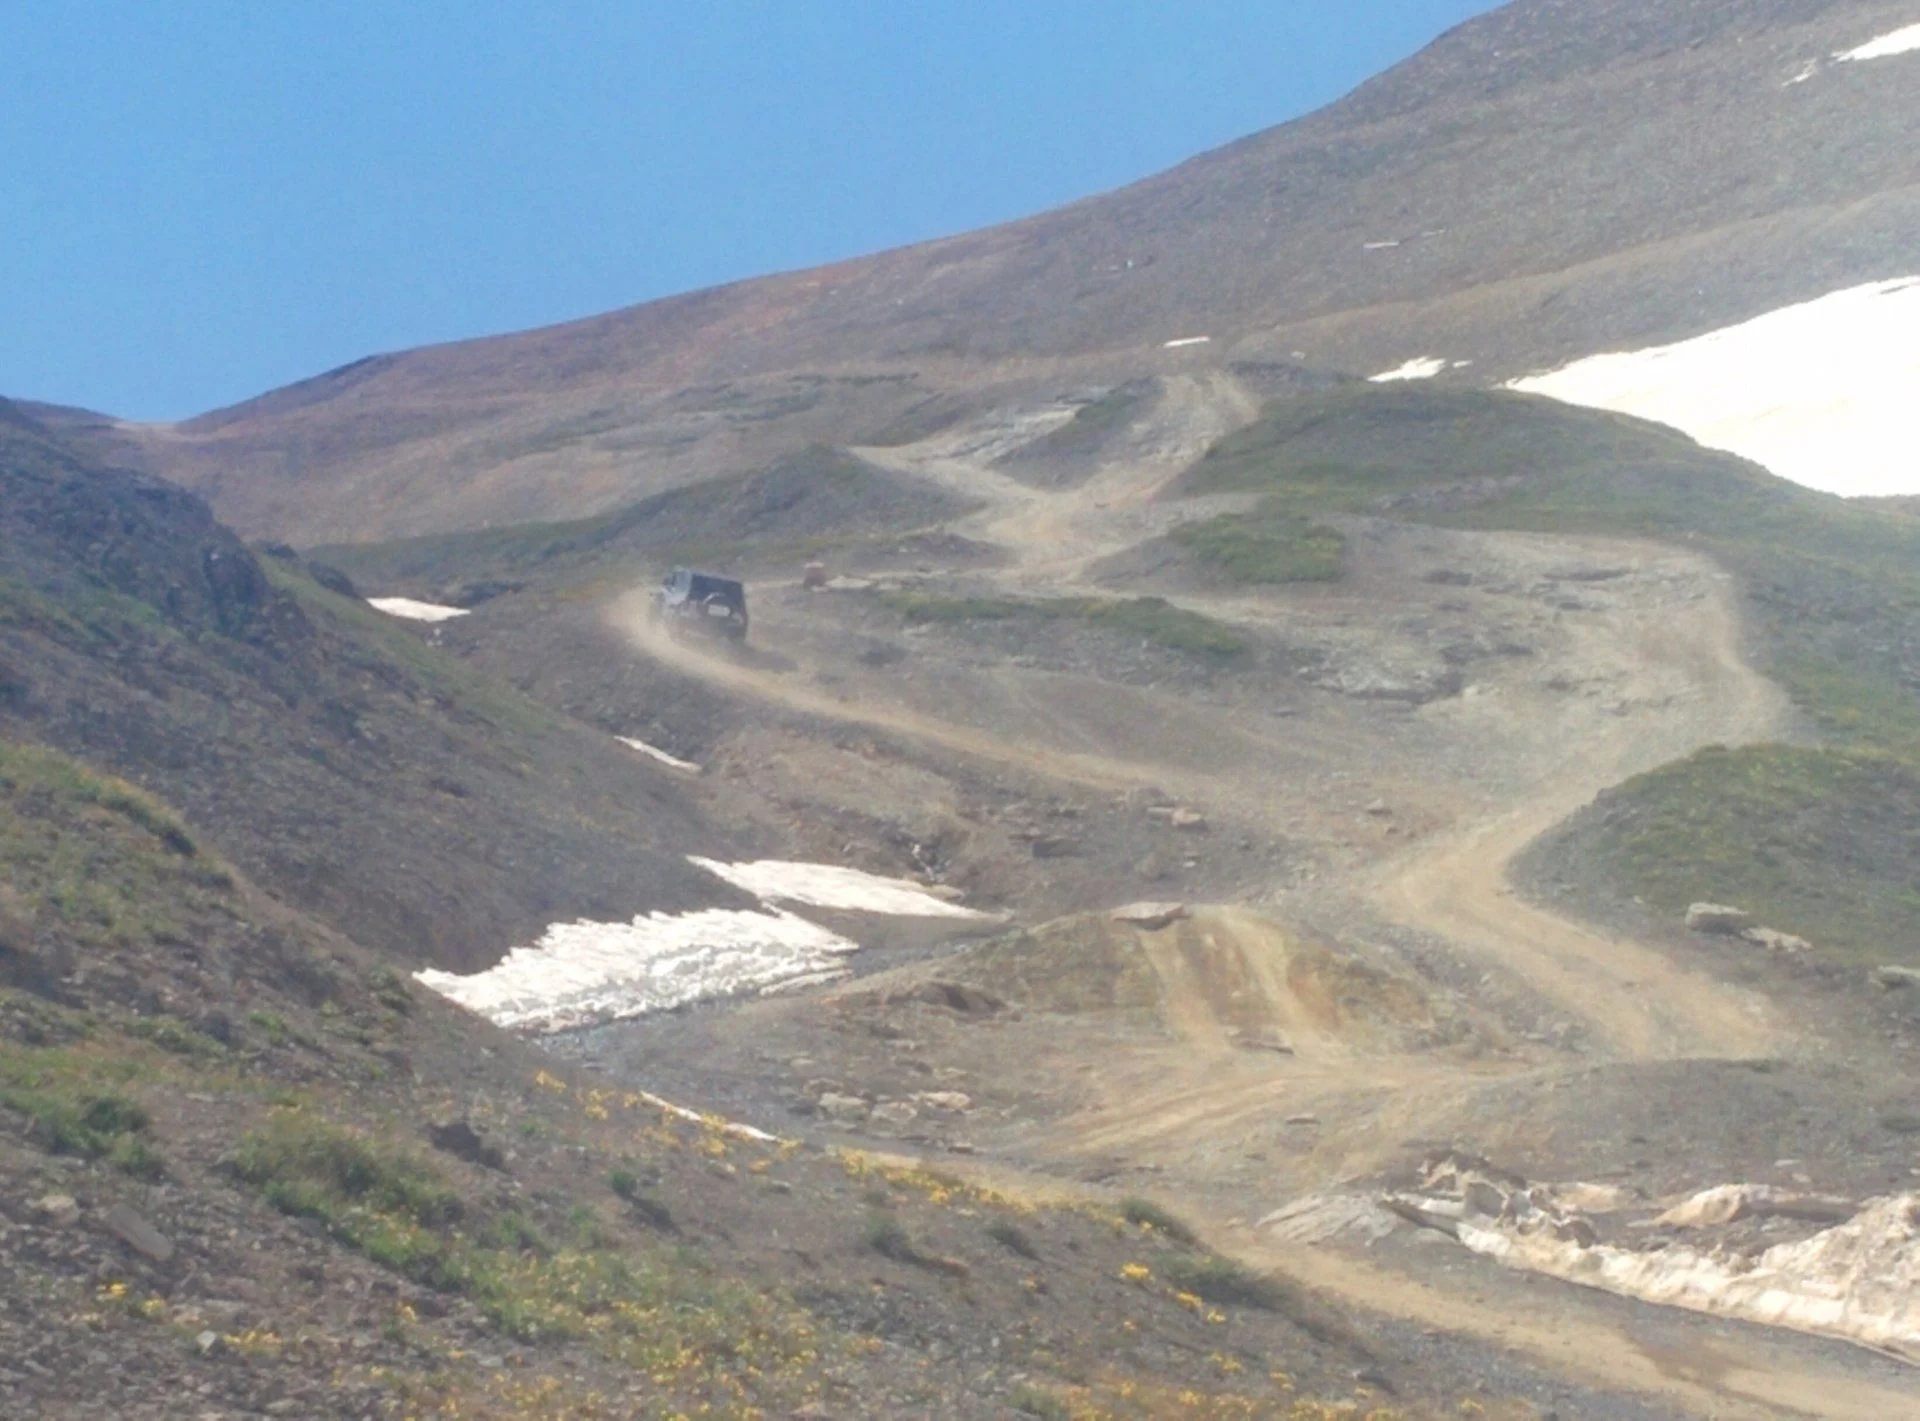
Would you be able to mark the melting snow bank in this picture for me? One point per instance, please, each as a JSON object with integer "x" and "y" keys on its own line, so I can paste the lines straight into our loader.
{"x": 1858, "y": 1280}
{"x": 824, "y": 886}
{"x": 1421, "y": 367}
{"x": 1821, "y": 393}
{"x": 661, "y": 755}
{"x": 1905, "y": 41}
{"x": 586, "y": 974}
{"x": 415, "y": 611}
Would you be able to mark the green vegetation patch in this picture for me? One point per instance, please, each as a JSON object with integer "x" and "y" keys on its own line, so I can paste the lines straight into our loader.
{"x": 1144, "y": 1213}
{"x": 92, "y": 858}
{"x": 1822, "y": 843}
{"x": 1151, "y": 619}
{"x": 1221, "y": 1280}
{"x": 1268, "y": 545}
{"x": 1350, "y": 449}
{"x": 89, "y": 1125}
{"x": 1816, "y": 842}
{"x": 663, "y": 1315}
{"x": 1091, "y": 426}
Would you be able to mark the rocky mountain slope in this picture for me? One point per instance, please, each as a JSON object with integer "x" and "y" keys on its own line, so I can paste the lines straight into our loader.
{"x": 1448, "y": 850}
{"x": 321, "y": 746}
{"x": 1548, "y": 181}
{"x": 246, "y": 1169}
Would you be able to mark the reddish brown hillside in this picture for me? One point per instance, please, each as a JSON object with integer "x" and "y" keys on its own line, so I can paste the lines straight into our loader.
{"x": 1550, "y": 180}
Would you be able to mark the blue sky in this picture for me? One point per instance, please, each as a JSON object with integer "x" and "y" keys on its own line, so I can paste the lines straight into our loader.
{"x": 204, "y": 199}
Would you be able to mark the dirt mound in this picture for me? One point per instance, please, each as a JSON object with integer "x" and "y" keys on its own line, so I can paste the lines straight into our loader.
{"x": 1222, "y": 978}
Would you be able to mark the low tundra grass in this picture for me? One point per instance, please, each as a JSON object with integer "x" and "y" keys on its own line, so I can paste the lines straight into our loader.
{"x": 1151, "y": 619}
{"x": 662, "y": 1314}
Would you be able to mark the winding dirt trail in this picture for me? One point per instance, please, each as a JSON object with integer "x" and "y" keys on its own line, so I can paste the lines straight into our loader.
{"x": 1633, "y": 999}
{"x": 1640, "y": 1003}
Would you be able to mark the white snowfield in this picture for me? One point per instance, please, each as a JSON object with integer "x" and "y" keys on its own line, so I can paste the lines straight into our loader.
{"x": 1421, "y": 367}
{"x": 1185, "y": 341}
{"x": 1822, "y": 393}
{"x": 416, "y": 611}
{"x": 1903, "y": 41}
{"x": 658, "y": 754}
{"x": 587, "y": 974}
{"x": 822, "y": 885}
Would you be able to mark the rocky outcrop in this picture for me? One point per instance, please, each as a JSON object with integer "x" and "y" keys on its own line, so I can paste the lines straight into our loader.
{"x": 1718, "y": 919}
{"x": 1150, "y": 916}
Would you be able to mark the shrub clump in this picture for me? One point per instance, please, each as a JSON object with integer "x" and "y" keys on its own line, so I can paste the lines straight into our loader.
{"x": 1222, "y": 1281}
{"x": 1144, "y": 1213}
{"x": 888, "y": 1237}
{"x": 107, "y": 1126}
{"x": 1266, "y": 547}
{"x": 313, "y": 1170}
{"x": 1013, "y": 1238}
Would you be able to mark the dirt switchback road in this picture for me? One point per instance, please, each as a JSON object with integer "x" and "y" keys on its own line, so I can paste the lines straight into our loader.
{"x": 1639, "y": 1002}
{"x": 1674, "y": 666}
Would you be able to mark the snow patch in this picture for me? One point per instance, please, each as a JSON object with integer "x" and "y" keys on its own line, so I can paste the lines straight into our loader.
{"x": 1378, "y": 246}
{"x": 415, "y": 611}
{"x": 585, "y": 974}
{"x": 1858, "y": 1281}
{"x": 661, "y": 755}
{"x": 1903, "y": 41}
{"x": 1421, "y": 367}
{"x": 1821, "y": 393}
{"x": 822, "y": 885}
{"x": 1185, "y": 341}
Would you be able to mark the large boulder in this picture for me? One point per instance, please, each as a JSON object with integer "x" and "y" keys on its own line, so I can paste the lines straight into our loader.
{"x": 1719, "y": 919}
{"x": 1150, "y": 916}
{"x": 1775, "y": 940}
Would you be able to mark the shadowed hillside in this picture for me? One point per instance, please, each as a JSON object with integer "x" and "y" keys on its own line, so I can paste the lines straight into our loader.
{"x": 324, "y": 747}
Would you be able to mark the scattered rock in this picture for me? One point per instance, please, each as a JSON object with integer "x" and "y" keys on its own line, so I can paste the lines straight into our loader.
{"x": 813, "y": 576}
{"x": 137, "y": 1234}
{"x": 847, "y": 1109}
{"x": 1262, "y": 1038}
{"x": 1730, "y": 1203}
{"x": 1776, "y": 940}
{"x": 1895, "y": 978}
{"x": 894, "y": 1112}
{"x": 952, "y": 1101}
{"x": 459, "y": 1139}
{"x": 1379, "y": 809}
{"x": 60, "y": 1210}
{"x": 959, "y": 997}
{"x": 1303, "y": 1119}
{"x": 207, "y": 1343}
{"x": 1151, "y": 916}
{"x": 1191, "y": 820}
{"x": 1719, "y": 919}
{"x": 1054, "y": 846}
